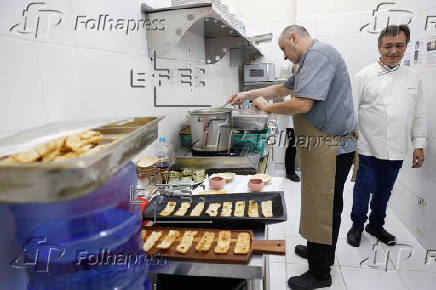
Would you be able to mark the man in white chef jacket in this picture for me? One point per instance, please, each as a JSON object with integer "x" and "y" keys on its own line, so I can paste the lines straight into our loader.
{"x": 390, "y": 109}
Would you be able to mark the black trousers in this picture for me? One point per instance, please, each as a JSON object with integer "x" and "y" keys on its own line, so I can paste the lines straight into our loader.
{"x": 322, "y": 256}
{"x": 290, "y": 152}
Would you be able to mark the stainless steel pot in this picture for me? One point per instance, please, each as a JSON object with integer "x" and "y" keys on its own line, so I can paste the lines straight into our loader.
{"x": 211, "y": 130}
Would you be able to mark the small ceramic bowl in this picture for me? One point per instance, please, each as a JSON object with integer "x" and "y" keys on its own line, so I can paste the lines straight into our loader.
{"x": 255, "y": 184}
{"x": 217, "y": 182}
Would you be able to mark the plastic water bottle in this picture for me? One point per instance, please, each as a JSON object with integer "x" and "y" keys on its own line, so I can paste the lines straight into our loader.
{"x": 165, "y": 152}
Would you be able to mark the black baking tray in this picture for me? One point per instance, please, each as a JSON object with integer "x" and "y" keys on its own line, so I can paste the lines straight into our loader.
{"x": 158, "y": 203}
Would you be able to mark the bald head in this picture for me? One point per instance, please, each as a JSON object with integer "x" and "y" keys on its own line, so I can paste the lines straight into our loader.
{"x": 297, "y": 29}
{"x": 294, "y": 42}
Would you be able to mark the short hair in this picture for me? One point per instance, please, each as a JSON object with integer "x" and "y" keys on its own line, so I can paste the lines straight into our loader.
{"x": 394, "y": 30}
{"x": 297, "y": 29}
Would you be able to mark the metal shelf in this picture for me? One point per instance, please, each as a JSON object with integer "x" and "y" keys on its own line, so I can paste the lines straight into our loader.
{"x": 254, "y": 85}
{"x": 220, "y": 36}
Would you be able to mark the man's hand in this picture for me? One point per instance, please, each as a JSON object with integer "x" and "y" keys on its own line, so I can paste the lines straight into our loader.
{"x": 418, "y": 158}
{"x": 237, "y": 99}
{"x": 262, "y": 104}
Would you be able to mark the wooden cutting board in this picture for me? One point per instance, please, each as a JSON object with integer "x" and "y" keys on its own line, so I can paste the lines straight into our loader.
{"x": 277, "y": 247}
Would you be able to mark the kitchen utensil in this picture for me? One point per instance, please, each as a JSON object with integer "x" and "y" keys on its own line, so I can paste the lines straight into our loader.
{"x": 211, "y": 130}
{"x": 158, "y": 203}
{"x": 273, "y": 247}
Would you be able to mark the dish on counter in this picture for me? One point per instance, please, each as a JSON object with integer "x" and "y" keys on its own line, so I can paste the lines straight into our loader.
{"x": 147, "y": 162}
{"x": 213, "y": 208}
{"x": 217, "y": 182}
{"x": 162, "y": 240}
{"x": 187, "y": 177}
{"x": 227, "y": 246}
{"x": 256, "y": 184}
{"x": 265, "y": 177}
{"x": 233, "y": 208}
{"x": 228, "y": 176}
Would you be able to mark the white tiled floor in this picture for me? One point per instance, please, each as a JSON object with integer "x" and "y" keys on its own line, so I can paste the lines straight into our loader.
{"x": 354, "y": 267}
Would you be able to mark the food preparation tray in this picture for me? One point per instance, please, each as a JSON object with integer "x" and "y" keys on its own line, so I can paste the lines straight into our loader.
{"x": 64, "y": 180}
{"x": 158, "y": 203}
{"x": 277, "y": 247}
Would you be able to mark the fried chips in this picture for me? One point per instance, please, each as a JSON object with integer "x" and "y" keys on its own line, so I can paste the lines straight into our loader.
{"x": 63, "y": 148}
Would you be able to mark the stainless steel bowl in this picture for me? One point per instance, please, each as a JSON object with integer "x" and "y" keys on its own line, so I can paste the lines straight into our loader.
{"x": 250, "y": 120}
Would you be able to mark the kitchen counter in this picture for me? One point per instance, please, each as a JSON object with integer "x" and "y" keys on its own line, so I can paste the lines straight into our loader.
{"x": 254, "y": 272}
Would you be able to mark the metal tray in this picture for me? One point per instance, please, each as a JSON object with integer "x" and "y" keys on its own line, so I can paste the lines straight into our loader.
{"x": 158, "y": 203}
{"x": 64, "y": 180}
{"x": 253, "y": 121}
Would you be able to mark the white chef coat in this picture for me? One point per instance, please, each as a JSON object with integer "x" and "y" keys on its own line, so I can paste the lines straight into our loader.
{"x": 390, "y": 110}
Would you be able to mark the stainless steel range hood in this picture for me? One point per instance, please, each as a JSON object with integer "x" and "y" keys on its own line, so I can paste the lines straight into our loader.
{"x": 220, "y": 35}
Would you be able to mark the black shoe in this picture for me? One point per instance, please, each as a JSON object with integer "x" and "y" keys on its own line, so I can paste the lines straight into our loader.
{"x": 294, "y": 177}
{"x": 308, "y": 281}
{"x": 381, "y": 234}
{"x": 301, "y": 251}
{"x": 354, "y": 235}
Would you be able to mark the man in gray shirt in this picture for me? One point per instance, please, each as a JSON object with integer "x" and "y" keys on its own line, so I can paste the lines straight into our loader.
{"x": 323, "y": 97}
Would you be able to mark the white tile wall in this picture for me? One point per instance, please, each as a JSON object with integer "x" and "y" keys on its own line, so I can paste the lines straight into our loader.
{"x": 105, "y": 81}
{"x": 83, "y": 73}
{"x": 132, "y": 40}
{"x": 22, "y": 96}
{"x": 48, "y": 31}
{"x": 63, "y": 97}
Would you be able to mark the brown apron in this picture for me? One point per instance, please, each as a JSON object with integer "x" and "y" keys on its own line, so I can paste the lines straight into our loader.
{"x": 318, "y": 170}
